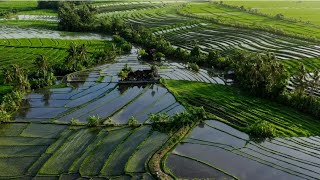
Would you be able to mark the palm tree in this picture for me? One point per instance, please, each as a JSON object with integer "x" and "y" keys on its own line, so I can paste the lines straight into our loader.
{"x": 314, "y": 82}
{"x": 17, "y": 77}
{"x": 42, "y": 65}
{"x": 300, "y": 80}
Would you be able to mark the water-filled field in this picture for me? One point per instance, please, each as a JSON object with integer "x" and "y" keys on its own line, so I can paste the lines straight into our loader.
{"x": 216, "y": 150}
{"x": 98, "y": 92}
{"x": 51, "y": 135}
{"x": 61, "y": 151}
{"x": 226, "y": 38}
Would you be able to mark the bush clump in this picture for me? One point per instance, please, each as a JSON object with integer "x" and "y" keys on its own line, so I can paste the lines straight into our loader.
{"x": 164, "y": 123}
{"x": 94, "y": 120}
{"x": 193, "y": 67}
{"x": 133, "y": 122}
{"x": 262, "y": 129}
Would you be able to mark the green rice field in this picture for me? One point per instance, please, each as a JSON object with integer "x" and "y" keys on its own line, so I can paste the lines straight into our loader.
{"x": 306, "y": 11}
{"x": 94, "y": 125}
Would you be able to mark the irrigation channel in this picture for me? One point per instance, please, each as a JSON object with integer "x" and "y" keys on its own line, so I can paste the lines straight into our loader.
{"x": 41, "y": 144}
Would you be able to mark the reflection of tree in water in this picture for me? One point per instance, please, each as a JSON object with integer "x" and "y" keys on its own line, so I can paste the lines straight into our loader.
{"x": 122, "y": 88}
{"x": 46, "y": 97}
{"x": 153, "y": 92}
{"x": 24, "y": 108}
{"x": 201, "y": 125}
{"x": 259, "y": 140}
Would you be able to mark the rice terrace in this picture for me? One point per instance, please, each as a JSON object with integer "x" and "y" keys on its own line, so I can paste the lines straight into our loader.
{"x": 173, "y": 89}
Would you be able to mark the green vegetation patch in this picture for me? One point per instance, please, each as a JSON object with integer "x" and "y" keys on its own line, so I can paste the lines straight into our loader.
{"x": 12, "y": 129}
{"x": 77, "y": 163}
{"x": 240, "y": 110}
{"x": 117, "y": 161}
{"x": 15, "y": 166}
{"x": 137, "y": 162}
{"x": 24, "y": 141}
{"x": 293, "y": 65}
{"x": 24, "y": 51}
{"x": 306, "y": 11}
{"x": 63, "y": 137}
{"x": 20, "y": 151}
{"x": 235, "y": 16}
{"x": 92, "y": 165}
{"x": 63, "y": 158}
{"x": 31, "y": 24}
{"x": 43, "y": 130}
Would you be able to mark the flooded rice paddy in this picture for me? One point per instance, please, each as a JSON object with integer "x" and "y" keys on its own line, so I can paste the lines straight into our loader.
{"x": 216, "y": 150}
{"x": 18, "y": 33}
{"x": 98, "y": 92}
{"x": 49, "y": 151}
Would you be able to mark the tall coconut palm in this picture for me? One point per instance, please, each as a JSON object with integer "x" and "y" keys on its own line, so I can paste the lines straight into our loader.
{"x": 314, "y": 82}
{"x": 42, "y": 65}
{"x": 17, "y": 77}
{"x": 300, "y": 80}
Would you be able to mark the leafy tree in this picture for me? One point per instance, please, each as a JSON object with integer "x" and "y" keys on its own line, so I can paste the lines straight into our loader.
{"x": 314, "y": 82}
{"x": 77, "y": 58}
{"x": 196, "y": 52}
{"x": 260, "y": 74}
{"x": 17, "y": 77}
{"x": 49, "y": 5}
{"x": 300, "y": 80}
{"x": 43, "y": 76}
{"x": 76, "y": 18}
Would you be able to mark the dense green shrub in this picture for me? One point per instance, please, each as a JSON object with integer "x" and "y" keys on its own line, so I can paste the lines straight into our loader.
{"x": 94, "y": 120}
{"x": 12, "y": 101}
{"x": 123, "y": 74}
{"x": 49, "y": 5}
{"x": 133, "y": 122}
{"x": 4, "y": 116}
{"x": 76, "y": 18}
{"x": 74, "y": 122}
{"x": 193, "y": 67}
{"x": 122, "y": 44}
{"x": 164, "y": 123}
{"x": 261, "y": 129}
{"x": 260, "y": 74}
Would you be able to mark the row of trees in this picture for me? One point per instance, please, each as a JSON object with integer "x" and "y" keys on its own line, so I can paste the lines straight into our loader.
{"x": 73, "y": 17}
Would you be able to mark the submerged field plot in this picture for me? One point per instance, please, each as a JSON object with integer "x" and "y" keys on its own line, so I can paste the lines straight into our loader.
{"x": 97, "y": 123}
{"x": 98, "y": 92}
{"x": 215, "y": 150}
{"x": 60, "y": 151}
